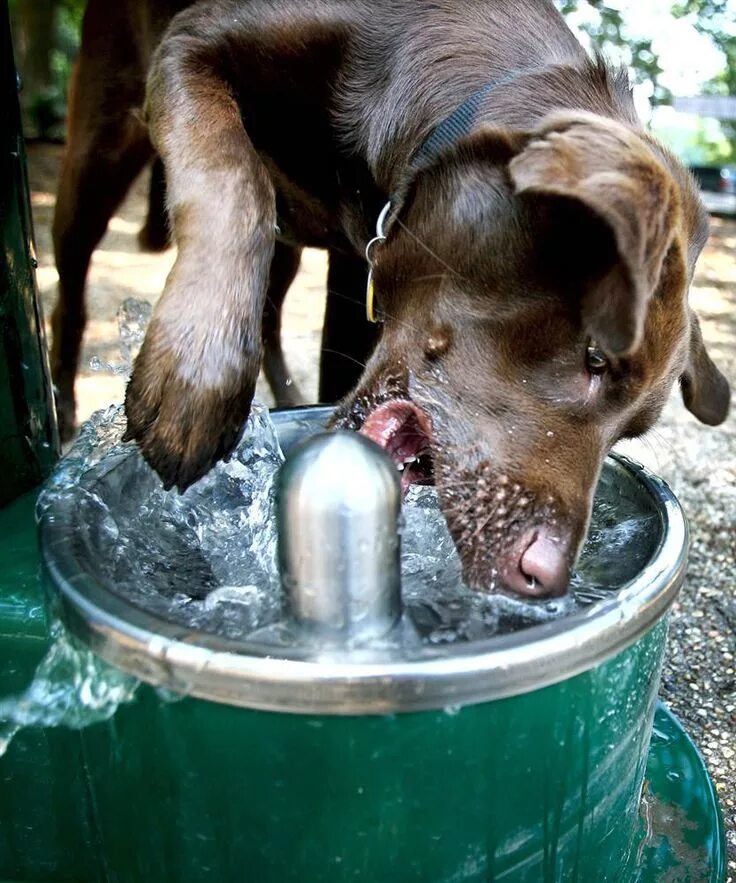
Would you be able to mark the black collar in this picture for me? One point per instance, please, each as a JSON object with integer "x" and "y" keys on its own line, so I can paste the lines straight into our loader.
{"x": 459, "y": 124}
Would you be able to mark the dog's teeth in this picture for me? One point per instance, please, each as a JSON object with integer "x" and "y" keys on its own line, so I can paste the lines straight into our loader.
{"x": 407, "y": 462}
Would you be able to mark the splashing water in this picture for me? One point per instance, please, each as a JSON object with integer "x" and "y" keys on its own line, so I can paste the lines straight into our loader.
{"x": 173, "y": 555}
{"x": 176, "y": 554}
{"x": 72, "y": 688}
{"x": 133, "y": 318}
{"x": 207, "y": 559}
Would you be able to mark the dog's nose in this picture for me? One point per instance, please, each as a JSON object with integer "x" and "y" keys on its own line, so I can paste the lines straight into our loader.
{"x": 543, "y": 567}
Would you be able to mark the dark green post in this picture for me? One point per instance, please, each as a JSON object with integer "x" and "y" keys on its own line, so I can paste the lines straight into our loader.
{"x": 29, "y": 442}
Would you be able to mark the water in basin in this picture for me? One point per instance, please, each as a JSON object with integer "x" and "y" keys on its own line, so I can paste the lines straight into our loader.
{"x": 206, "y": 559}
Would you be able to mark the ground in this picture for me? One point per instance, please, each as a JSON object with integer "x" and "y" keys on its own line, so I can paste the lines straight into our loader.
{"x": 699, "y": 680}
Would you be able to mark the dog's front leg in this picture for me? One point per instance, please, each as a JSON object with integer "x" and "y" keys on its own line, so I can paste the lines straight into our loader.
{"x": 194, "y": 378}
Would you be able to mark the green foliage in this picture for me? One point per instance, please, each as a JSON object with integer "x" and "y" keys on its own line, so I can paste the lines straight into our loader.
{"x": 714, "y": 18}
{"x": 46, "y": 42}
{"x": 609, "y": 34}
{"x": 717, "y": 20}
{"x": 714, "y": 151}
{"x": 68, "y": 25}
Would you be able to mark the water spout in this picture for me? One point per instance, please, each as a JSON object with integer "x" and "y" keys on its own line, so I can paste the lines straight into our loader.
{"x": 339, "y": 500}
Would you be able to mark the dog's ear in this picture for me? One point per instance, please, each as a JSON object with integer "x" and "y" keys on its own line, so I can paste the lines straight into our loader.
{"x": 608, "y": 171}
{"x": 705, "y": 390}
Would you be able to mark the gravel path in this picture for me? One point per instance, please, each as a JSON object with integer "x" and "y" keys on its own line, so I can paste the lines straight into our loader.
{"x": 699, "y": 680}
{"x": 699, "y": 462}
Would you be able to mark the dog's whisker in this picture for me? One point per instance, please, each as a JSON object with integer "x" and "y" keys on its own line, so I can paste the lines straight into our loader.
{"x": 352, "y": 300}
{"x": 350, "y": 358}
{"x": 662, "y": 441}
{"x": 429, "y": 278}
{"x": 429, "y": 251}
{"x": 483, "y": 524}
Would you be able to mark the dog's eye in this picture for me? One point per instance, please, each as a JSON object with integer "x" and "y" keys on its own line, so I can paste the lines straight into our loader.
{"x": 595, "y": 359}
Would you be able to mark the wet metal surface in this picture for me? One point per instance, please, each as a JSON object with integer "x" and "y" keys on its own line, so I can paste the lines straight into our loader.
{"x": 338, "y": 506}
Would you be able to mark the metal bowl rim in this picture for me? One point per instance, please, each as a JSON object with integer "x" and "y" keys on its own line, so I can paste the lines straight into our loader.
{"x": 247, "y": 674}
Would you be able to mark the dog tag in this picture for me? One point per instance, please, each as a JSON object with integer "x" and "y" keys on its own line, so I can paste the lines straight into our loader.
{"x": 370, "y": 304}
{"x": 380, "y": 237}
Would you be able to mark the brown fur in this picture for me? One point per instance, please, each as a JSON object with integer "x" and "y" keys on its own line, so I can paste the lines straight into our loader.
{"x": 108, "y": 145}
{"x": 555, "y": 221}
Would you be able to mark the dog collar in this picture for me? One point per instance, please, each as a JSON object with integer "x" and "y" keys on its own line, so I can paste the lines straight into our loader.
{"x": 448, "y": 132}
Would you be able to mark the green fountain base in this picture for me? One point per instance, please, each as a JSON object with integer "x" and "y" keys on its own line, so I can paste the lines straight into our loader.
{"x": 680, "y": 814}
{"x": 49, "y": 826}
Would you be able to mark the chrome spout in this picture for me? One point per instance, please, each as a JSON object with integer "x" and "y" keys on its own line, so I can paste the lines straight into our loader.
{"x": 338, "y": 505}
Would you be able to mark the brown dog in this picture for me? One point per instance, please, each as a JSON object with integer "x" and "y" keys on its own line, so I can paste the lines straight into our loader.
{"x": 107, "y": 148}
{"x": 534, "y": 278}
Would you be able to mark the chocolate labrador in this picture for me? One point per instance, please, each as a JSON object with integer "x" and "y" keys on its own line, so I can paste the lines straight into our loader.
{"x": 108, "y": 146}
{"x": 530, "y": 269}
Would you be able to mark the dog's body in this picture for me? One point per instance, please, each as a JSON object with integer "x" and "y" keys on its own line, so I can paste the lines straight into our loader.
{"x": 533, "y": 282}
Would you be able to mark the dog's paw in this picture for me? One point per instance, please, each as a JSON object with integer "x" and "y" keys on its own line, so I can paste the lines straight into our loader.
{"x": 182, "y": 424}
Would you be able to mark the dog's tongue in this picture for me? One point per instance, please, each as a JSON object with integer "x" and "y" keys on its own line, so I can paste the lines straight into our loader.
{"x": 403, "y": 431}
{"x": 385, "y": 422}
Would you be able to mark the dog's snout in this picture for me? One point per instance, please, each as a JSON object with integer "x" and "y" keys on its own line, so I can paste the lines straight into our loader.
{"x": 543, "y": 564}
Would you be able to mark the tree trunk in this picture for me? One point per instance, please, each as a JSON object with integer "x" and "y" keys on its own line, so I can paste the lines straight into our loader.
{"x": 34, "y": 24}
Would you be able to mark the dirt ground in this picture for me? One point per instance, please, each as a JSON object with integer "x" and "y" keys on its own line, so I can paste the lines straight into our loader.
{"x": 699, "y": 680}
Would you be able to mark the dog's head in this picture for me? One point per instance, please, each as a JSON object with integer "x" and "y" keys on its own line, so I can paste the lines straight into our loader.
{"x": 534, "y": 294}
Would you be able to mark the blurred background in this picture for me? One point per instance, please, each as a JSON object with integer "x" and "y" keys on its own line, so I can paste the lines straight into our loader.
{"x": 46, "y": 34}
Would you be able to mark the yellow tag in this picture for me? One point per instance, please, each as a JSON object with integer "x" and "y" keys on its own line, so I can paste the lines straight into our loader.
{"x": 370, "y": 311}
{"x": 380, "y": 237}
